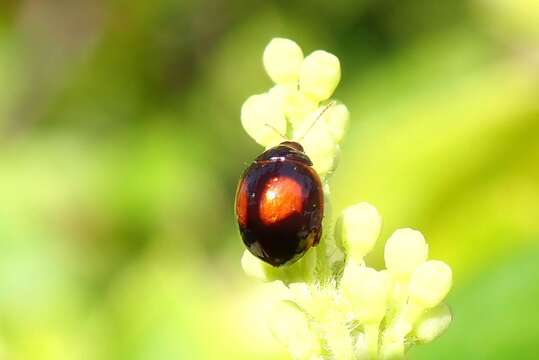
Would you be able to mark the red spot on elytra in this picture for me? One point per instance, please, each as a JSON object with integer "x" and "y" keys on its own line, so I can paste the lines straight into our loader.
{"x": 281, "y": 198}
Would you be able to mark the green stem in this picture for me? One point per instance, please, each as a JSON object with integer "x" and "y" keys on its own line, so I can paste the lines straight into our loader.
{"x": 371, "y": 335}
{"x": 322, "y": 250}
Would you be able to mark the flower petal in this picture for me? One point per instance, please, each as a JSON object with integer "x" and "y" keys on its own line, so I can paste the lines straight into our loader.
{"x": 319, "y": 75}
{"x": 360, "y": 226}
{"x": 433, "y": 323}
{"x": 337, "y": 118}
{"x": 263, "y": 119}
{"x": 290, "y": 326}
{"x": 405, "y": 250}
{"x": 367, "y": 291}
{"x": 318, "y": 143}
{"x": 282, "y": 60}
{"x": 430, "y": 283}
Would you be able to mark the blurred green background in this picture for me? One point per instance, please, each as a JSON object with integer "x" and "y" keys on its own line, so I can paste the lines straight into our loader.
{"x": 121, "y": 146}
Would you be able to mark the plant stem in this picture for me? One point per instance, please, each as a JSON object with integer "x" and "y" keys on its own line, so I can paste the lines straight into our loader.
{"x": 371, "y": 335}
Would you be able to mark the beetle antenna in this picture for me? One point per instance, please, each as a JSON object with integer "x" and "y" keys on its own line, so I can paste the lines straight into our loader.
{"x": 326, "y": 108}
{"x": 277, "y": 131}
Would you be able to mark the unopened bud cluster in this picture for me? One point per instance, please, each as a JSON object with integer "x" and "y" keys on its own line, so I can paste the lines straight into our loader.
{"x": 336, "y": 306}
{"x": 300, "y": 95}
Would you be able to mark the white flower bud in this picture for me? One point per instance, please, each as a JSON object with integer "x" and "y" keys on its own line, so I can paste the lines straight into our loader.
{"x": 331, "y": 315}
{"x": 296, "y": 106}
{"x": 282, "y": 60}
{"x": 301, "y": 294}
{"x": 430, "y": 283}
{"x": 281, "y": 93}
{"x": 360, "y": 226}
{"x": 289, "y": 325}
{"x": 252, "y": 266}
{"x": 405, "y": 250}
{"x": 263, "y": 119}
{"x": 320, "y": 74}
{"x": 366, "y": 289}
{"x": 256, "y": 268}
{"x": 318, "y": 143}
{"x": 392, "y": 348}
{"x": 433, "y": 323}
{"x": 361, "y": 348}
{"x": 337, "y": 118}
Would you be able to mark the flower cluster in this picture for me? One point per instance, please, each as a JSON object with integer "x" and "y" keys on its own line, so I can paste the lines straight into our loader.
{"x": 292, "y": 106}
{"x": 335, "y": 306}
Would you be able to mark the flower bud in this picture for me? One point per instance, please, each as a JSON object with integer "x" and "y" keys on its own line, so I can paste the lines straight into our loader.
{"x": 361, "y": 347}
{"x": 301, "y": 294}
{"x": 392, "y": 348}
{"x": 289, "y": 325}
{"x": 366, "y": 289}
{"x": 320, "y": 74}
{"x": 359, "y": 228}
{"x": 296, "y": 106}
{"x": 331, "y": 316}
{"x": 252, "y": 266}
{"x": 282, "y": 60}
{"x": 430, "y": 283}
{"x": 256, "y": 268}
{"x": 433, "y": 323}
{"x": 337, "y": 118}
{"x": 263, "y": 119}
{"x": 318, "y": 143}
{"x": 405, "y": 250}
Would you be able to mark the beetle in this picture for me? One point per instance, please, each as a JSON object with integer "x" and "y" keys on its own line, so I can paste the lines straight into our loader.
{"x": 280, "y": 205}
